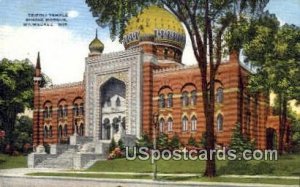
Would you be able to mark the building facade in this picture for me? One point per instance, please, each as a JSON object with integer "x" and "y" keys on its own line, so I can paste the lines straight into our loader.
{"x": 121, "y": 91}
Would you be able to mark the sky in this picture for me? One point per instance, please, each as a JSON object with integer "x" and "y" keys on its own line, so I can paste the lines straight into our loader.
{"x": 63, "y": 48}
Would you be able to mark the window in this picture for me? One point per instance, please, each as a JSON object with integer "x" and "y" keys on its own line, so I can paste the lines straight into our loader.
{"x": 161, "y": 125}
{"x": 161, "y": 101}
{"x": 185, "y": 99}
{"x": 184, "y": 123}
{"x": 48, "y": 112}
{"x": 81, "y": 110}
{"x": 170, "y": 124}
{"x": 194, "y": 123}
{"x": 194, "y": 98}
{"x": 108, "y": 102}
{"x": 65, "y": 130}
{"x": 60, "y": 111}
{"x": 220, "y": 122}
{"x": 65, "y": 111}
{"x": 46, "y": 133}
{"x": 50, "y": 131}
{"x": 170, "y": 100}
{"x": 81, "y": 130}
{"x": 76, "y": 110}
{"x": 219, "y": 96}
{"x": 118, "y": 102}
{"x": 60, "y": 133}
{"x": 166, "y": 51}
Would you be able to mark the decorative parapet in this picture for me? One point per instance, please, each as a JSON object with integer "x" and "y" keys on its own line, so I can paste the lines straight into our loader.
{"x": 107, "y": 57}
{"x": 65, "y": 85}
{"x": 174, "y": 69}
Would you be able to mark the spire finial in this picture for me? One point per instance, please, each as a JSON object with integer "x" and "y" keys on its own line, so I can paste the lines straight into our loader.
{"x": 38, "y": 62}
{"x": 96, "y": 33}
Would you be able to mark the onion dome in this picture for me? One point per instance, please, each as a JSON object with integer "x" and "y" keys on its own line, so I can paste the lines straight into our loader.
{"x": 154, "y": 24}
{"x": 96, "y": 46}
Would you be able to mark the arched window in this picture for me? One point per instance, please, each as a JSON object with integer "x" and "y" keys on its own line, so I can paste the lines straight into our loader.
{"x": 161, "y": 125}
{"x": 108, "y": 102}
{"x": 50, "y": 131}
{"x": 76, "y": 109}
{"x": 194, "y": 123}
{"x": 118, "y": 102}
{"x": 185, "y": 99}
{"x": 193, "y": 98}
{"x": 46, "y": 134}
{"x": 81, "y": 130}
{"x": 170, "y": 124}
{"x": 60, "y": 111}
{"x": 166, "y": 51}
{"x": 170, "y": 100}
{"x": 81, "y": 110}
{"x": 219, "y": 122}
{"x": 184, "y": 123}
{"x": 220, "y": 95}
{"x": 60, "y": 133}
{"x": 48, "y": 112}
{"x": 65, "y": 131}
{"x": 65, "y": 111}
{"x": 161, "y": 101}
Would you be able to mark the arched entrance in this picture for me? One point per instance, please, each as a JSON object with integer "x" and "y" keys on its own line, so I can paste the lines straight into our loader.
{"x": 271, "y": 139}
{"x": 113, "y": 108}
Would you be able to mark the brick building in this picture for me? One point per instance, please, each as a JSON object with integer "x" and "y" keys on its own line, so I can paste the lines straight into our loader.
{"x": 121, "y": 91}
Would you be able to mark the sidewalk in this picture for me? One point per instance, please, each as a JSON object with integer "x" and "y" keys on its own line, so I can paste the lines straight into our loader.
{"x": 13, "y": 175}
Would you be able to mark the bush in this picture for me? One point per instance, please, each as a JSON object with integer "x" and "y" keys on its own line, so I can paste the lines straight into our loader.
{"x": 162, "y": 141}
{"x": 192, "y": 141}
{"x": 243, "y": 167}
{"x": 239, "y": 167}
{"x": 239, "y": 142}
{"x": 121, "y": 145}
{"x": 175, "y": 142}
{"x": 262, "y": 168}
{"x": 144, "y": 141}
{"x": 112, "y": 145}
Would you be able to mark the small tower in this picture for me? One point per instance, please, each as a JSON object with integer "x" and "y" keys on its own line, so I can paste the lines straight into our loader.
{"x": 36, "y": 102}
{"x": 96, "y": 46}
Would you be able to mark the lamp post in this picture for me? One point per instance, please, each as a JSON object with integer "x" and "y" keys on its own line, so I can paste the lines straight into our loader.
{"x": 155, "y": 121}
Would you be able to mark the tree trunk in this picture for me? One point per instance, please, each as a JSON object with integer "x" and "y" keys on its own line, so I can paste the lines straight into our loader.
{"x": 210, "y": 170}
{"x": 282, "y": 121}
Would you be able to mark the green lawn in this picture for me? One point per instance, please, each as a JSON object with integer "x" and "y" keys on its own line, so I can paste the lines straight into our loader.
{"x": 8, "y": 162}
{"x": 288, "y": 165}
{"x": 173, "y": 178}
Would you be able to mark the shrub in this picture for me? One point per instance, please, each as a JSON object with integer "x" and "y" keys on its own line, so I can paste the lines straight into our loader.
{"x": 112, "y": 145}
{"x": 121, "y": 145}
{"x": 192, "y": 141}
{"x": 162, "y": 141}
{"x": 175, "y": 142}
{"x": 240, "y": 167}
{"x": 262, "y": 168}
{"x": 144, "y": 141}
{"x": 239, "y": 142}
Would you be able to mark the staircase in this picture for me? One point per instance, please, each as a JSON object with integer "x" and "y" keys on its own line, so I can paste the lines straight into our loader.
{"x": 63, "y": 160}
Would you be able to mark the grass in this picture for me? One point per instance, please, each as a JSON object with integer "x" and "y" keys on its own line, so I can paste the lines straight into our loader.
{"x": 8, "y": 162}
{"x": 173, "y": 178}
{"x": 287, "y": 165}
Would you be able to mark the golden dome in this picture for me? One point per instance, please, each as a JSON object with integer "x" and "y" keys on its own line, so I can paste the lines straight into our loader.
{"x": 96, "y": 45}
{"x": 155, "y": 22}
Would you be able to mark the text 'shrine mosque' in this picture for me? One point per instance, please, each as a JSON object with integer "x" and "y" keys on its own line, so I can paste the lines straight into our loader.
{"x": 121, "y": 91}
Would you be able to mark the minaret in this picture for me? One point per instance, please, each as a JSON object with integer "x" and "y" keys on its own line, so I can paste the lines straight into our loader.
{"x": 36, "y": 103}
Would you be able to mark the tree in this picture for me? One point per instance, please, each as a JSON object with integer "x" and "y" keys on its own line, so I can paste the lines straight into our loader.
{"x": 206, "y": 21}
{"x": 239, "y": 142}
{"x": 276, "y": 53}
{"x": 16, "y": 91}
